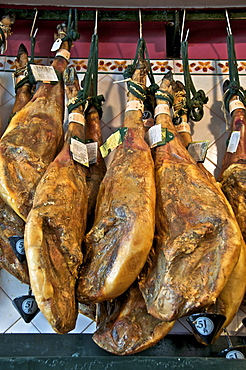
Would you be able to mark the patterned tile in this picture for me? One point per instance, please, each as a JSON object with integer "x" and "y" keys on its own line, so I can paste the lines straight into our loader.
{"x": 196, "y": 66}
{"x": 223, "y": 66}
{"x": 10, "y": 64}
{"x": 2, "y": 63}
{"x": 160, "y": 67}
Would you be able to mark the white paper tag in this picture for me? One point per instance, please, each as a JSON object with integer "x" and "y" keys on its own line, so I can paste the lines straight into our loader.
{"x": 183, "y": 127}
{"x": 63, "y": 53}
{"x": 56, "y": 45}
{"x": 92, "y": 149}
{"x": 235, "y": 104}
{"x": 162, "y": 108}
{"x": 76, "y": 117}
{"x": 79, "y": 152}
{"x": 44, "y": 73}
{"x": 134, "y": 105}
{"x": 154, "y": 136}
{"x": 233, "y": 142}
{"x": 198, "y": 150}
{"x": 113, "y": 141}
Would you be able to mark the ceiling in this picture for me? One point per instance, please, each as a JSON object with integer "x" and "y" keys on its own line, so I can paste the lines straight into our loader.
{"x": 130, "y": 4}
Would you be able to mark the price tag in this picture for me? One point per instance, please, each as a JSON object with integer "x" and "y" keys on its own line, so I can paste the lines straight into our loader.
{"x": 162, "y": 109}
{"x": 113, "y": 141}
{"x": 235, "y": 104}
{"x": 183, "y": 127}
{"x": 198, "y": 150}
{"x": 44, "y": 73}
{"x": 17, "y": 244}
{"x": 134, "y": 105}
{"x": 92, "y": 149}
{"x": 235, "y": 354}
{"x": 56, "y": 45}
{"x": 204, "y": 325}
{"x": 153, "y": 136}
{"x": 233, "y": 142}
{"x": 27, "y": 306}
{"x": 157, "y": 136}
{"x": 148, "y": 120}
{"x": 79, "y": 151}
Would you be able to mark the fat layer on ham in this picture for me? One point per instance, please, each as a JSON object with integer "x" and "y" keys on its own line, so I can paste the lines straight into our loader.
{"x": 198, "y": 240}
{"x": 118, "y": 244}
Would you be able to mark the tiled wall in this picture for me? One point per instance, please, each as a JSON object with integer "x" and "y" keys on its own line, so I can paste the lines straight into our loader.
{"x": 207, "y": 75}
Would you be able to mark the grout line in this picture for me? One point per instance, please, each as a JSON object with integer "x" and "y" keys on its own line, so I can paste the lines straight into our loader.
{"x": 87, "y": 327}
{"x": 12, "y": 325}
{"x": 186, "y": 327}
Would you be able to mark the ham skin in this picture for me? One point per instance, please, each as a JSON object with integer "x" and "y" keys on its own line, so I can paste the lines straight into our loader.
{"x": 118, "y": 244}
{"x": 197, "y": 242}
{"x": 54, "y": 232}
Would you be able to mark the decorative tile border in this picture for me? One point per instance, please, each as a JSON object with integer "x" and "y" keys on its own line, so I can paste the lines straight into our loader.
{"x": 202, "y": 67}
{"x": 196, "y": 66}
{"x": 2, "y": 61}
{"x": 9, "y": 63}
{"x": 223, "y": 67}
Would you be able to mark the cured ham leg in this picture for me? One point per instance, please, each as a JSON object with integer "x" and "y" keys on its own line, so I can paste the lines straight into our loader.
{"x": 11, "y": 225}
{"x": 94, "y": 176}
{"x": 125, "y": 327}
{"x": 198, "y": 240}
{"x": 118, "y": 244}
{"x": 233, "y": 174}
{"x": 95, "y": 172}
{"x": 54, "y": 232}
{"x": 31, "y": 141}
{"x": 231, "y": 296}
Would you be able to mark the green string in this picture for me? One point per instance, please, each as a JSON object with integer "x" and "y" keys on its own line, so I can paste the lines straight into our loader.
{"x": 234, "y": 87}
{"x": 194, "y": 104}
{"x": 165, "y": 96}
{"x": 72, "y": 27}
{"x": 87, "y": 97}
{"x": 136, "y": 89}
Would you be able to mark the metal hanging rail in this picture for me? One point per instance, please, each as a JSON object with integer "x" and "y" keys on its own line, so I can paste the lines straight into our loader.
{"x": 126, "y": 15}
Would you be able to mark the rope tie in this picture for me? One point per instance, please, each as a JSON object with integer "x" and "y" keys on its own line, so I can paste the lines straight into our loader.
{"x": 89, "y": 83}
{"x": 137, "y": 90}
{"x": 234, "y": 87}
{"x": 134, "y": 88}
{"x": 70, "y": 31}
{"x": 195, "y": 104}
{"x": 179, "y": 109}
{"x": 165, "y": 96}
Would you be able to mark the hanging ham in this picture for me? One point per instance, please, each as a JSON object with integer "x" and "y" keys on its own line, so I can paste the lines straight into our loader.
{"x": 95, "y": 173}
{"x": 94, "y": 176}
{"x": 55, "y": 229}
{"x": 11, "y": 225}
{"x": 32, "y": 139}
{"x": 233, "y": 174}
{"x": 231, "y": 296}
{"x": 125, "y": 327}
{"x": 197, "y": 241}
{"x": 118, "y": 244}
